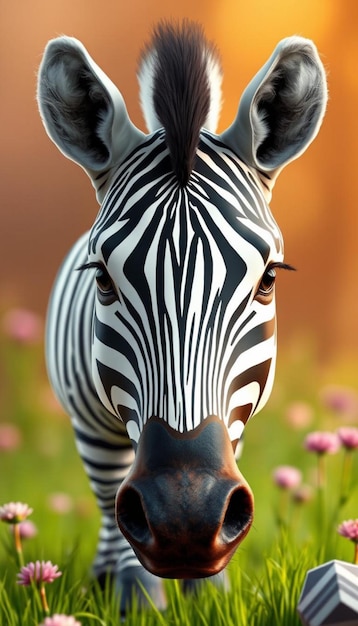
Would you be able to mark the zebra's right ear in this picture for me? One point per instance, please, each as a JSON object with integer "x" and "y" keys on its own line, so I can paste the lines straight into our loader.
{"x": 83, "y": 111}
{"x": 281, "y": 110}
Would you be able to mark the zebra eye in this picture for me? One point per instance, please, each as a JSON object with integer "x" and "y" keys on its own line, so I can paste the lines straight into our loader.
{"x": 106, "y": 291}
{"x": 267, "y": 282}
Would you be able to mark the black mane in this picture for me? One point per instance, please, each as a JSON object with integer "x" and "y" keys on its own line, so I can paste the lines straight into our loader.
{"x": 181, "y": 89}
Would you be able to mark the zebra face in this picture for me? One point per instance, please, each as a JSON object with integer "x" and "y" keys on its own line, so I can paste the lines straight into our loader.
{"x": 185, "y": 251}
{"x": 184, "y": 342}
{"x": 185, "y": 311}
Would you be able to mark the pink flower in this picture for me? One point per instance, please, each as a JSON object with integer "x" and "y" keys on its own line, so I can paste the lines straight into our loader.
{"x": 341, "y": 400}
{"x": 322, "y": 442}
{"x": 302, "y": 494}
{"x": 14, "y": 512}
{"x": 60, "y": 620}
{"x": 27, "y": 529}
{"x": 299, "y": 415}
{"x": 349, "y": 529}
{"x": 348, "y": 437}
{"x": 38, "y": 572}
{"x": 22, "y": 326}
{"x": 60, "y": 502}
{"x": 10, "y": 437}
{"x": 287, "y": 477}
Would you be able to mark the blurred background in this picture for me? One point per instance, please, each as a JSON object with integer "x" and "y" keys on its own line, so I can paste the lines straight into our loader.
{"x": 47, "y": 201}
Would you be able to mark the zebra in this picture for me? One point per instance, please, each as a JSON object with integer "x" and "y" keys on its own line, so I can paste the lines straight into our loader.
{"x": 161, "y": 327}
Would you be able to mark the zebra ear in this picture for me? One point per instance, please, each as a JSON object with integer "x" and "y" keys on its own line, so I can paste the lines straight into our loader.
{"x": 281, "y": 110}
{"x": 83, "y": 111}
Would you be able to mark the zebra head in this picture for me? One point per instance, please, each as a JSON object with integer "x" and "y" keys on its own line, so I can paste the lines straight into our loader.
{"x": 185, "y": 252}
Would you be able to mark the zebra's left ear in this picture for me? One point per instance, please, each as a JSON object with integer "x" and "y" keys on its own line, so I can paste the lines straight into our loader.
{"x": 281, "y": 110}
{"x": 83, "y": 111}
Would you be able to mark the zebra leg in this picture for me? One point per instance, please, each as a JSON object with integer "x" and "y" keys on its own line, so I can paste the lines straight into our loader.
{"x": 193, "y": 585}
{"x": 131, "y": 581}
{"x": 107, "y": 464}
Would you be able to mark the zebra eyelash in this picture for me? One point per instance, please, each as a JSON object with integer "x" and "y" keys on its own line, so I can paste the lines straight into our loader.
{"x": 281, "y": 266}
{"x": 91, "y": 265}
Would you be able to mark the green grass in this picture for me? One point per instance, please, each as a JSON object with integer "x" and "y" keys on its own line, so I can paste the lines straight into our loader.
{"x": 258, "y": 596}
{"x": 268, "y": 570}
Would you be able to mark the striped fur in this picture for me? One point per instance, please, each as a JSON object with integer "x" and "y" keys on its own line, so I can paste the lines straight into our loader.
{"x": 186, "y": 337}
{"x": 181, "y": 326}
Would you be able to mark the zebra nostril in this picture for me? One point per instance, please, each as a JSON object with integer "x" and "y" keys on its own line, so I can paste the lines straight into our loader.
{"x": 131, "y": 517}
{"x": 238, "y": 515}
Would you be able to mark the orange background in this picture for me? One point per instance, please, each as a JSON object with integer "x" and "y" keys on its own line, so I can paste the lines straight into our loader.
{"x": 47, "y": 202}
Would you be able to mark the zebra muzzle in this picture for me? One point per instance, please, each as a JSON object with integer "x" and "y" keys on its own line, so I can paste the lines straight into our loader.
{"x": 184, "y": 507}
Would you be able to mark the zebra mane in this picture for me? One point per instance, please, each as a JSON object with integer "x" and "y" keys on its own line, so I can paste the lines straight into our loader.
{"x": 180, "y": 89}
